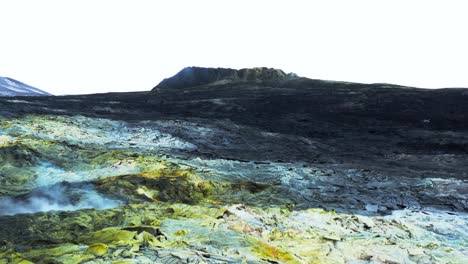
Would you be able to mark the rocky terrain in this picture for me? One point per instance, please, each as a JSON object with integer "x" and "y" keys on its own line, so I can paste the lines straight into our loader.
{"x": 11, "y": 87}
{"x": 236, "y": 166}
{"x": 195, "y": 76}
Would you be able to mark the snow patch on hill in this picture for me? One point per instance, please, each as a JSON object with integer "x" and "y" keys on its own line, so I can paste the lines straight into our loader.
{"x": 11, "y": 87}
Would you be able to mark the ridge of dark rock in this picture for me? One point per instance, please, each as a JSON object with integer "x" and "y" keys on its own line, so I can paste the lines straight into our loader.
{"x": 194, "y": 76}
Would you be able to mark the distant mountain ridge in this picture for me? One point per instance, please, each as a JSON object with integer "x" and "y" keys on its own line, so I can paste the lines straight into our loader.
{"x": 12, "y": 87}
{"x": 194, "y": 76}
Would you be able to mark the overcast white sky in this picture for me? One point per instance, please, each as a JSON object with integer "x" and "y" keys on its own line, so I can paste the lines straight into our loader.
{"x": 89, "y": 46}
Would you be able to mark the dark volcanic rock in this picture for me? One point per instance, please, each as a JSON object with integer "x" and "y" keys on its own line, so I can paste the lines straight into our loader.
{"x": 399, "y": 136}
{"x": 194, "y": 76}
{"x": 247, "y": 156}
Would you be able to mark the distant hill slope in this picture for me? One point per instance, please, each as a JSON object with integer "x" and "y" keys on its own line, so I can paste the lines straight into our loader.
{"x": 11, "y": 87}
{"x": 195, "y": 76}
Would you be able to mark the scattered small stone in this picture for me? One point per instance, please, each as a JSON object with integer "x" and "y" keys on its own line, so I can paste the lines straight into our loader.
{"x": 372, "y": 208}
{"x": 98, "y": 249}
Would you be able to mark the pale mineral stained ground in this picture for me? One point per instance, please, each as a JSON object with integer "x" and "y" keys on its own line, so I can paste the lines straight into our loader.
{"x": 236, "y": 166}
{"x": 164, "y": 207}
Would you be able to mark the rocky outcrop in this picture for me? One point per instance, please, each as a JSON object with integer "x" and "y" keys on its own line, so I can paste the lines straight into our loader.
{"x": 194, "y": 76}
{"x": 11, "y": 87}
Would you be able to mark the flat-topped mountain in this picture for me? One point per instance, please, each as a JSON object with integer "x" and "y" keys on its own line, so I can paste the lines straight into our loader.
{"x": 195, "y": 76}
{"x": 11, "y": 87}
